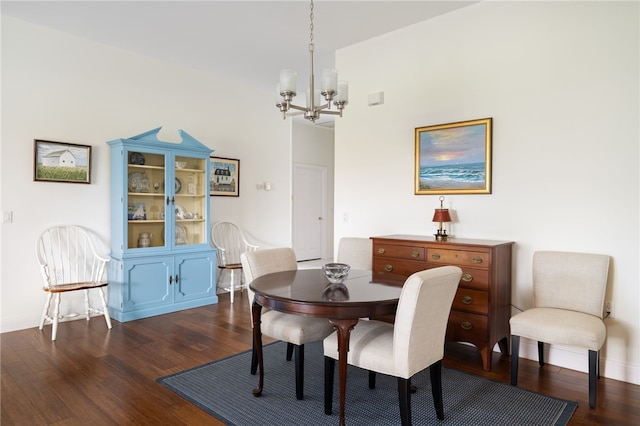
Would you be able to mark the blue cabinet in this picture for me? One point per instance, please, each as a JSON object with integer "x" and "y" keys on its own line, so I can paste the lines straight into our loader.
{"x": 161, "y": 257}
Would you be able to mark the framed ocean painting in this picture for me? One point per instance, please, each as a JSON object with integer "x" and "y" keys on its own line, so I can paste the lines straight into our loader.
{"x": 453, "y": 158}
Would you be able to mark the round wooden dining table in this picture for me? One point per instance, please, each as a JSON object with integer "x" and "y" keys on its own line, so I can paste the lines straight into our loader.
{"x": 308, "y": 292}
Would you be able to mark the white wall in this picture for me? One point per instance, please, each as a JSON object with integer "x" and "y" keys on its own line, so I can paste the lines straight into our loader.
{"x": 63, "y": 88}
{"x": 560, "y": 80}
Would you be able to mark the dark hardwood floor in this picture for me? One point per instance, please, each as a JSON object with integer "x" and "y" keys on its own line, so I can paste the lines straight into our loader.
{"x": 91, "y": 376}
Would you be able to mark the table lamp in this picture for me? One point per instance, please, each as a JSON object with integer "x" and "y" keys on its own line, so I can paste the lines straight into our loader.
{"x": 441, "y": 215}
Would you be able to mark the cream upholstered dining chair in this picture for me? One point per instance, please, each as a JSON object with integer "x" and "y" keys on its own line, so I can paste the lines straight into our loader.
{"x": 69, "y": 262}
{"x": 356, "y": 252}
{"x": 230, "y": 243}
{"x": 412, "y": 343}
{"x": 568, "y": 299}
{"x": 296, "y": 330}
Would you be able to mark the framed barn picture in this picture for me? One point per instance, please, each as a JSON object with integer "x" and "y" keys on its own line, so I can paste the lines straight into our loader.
{"x": 61, "y": 162}
{"x": 453, "y": 158}
{"x": 224, "y": 177}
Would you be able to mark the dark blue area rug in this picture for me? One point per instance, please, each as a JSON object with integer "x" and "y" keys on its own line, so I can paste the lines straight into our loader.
{"x": 223, "y": 389}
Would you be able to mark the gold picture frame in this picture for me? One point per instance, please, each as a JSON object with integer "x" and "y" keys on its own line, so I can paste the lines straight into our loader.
{"x": 454, "y": 158}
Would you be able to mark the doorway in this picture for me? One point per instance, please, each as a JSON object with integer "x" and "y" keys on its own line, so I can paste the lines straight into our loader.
{"x": 309, "y": 211}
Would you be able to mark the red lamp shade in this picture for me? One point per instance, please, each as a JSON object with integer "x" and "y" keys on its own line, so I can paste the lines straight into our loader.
{"x": 441, "y": 215}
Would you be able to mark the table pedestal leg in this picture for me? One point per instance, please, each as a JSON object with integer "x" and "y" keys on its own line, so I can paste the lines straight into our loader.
{"x": 256, "y": 311}
{"x": 344, "y": 328}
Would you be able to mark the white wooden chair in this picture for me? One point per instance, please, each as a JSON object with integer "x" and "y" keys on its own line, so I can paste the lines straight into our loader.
{"x": 356, "y": 252}
{"x": 568, "y": 300}
{"x": 414, "y": 342}
{"x": 231, "y": 243}
{"x": 296, "y": 330}
{"x": 69, "y": 262}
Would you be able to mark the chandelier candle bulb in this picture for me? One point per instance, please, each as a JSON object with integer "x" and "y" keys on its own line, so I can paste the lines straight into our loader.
{"x": 343, "y": 92}
{"x": 288, "y": 80}
{"x": 329, "y": 81}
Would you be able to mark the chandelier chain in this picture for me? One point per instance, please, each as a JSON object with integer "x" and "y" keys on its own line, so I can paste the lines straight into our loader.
{"x": 311, "y": 25}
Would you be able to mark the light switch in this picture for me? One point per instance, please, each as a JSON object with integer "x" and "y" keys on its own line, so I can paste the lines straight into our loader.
{"x": 7, "y": 216}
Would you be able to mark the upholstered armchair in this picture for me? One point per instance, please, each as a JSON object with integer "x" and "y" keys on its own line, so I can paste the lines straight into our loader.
{"x": 296, "y": 330}
{"x": 356, "y": 252}
{"x": 568, "y": 299}
{"x": 414, "y": 342}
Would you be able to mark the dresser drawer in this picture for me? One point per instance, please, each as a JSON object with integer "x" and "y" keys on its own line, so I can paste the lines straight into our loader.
{"x": 394, "y": 270}
{"x": 471, "y": 277}
{"x": 399, "y": 252}
{"x": 466, "y": 327}
{"x": 471, "y": 301}
{"x": 458, "y": 257}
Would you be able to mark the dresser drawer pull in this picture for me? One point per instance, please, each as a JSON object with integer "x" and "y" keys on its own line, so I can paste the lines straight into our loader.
{"x": 467, "y": 300}
{"x": 381, "y": 250}
{"x": 466, "y": 325}
{"x": 435, "y": 256}
{"x": 388, "y": 268}
{"x": 467, "y": 278}
{"x": 415, "y": 254}
{"x": 477, "y": 259}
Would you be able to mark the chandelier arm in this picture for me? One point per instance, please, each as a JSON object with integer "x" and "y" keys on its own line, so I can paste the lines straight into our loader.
{"x": 299, "y": 108}
{"x": 331, "y": 112}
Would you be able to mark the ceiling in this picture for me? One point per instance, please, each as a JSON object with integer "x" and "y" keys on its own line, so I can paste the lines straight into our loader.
{"x": 248, "y": 40}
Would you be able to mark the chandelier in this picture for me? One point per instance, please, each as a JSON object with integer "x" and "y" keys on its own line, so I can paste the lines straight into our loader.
{"x": 331, "y": 89}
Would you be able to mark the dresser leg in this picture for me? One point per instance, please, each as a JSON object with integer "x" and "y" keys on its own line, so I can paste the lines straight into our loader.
{"x": 485, "y": 352}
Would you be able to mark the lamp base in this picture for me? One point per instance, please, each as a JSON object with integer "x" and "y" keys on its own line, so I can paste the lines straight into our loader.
{"x": 441, "y": 236}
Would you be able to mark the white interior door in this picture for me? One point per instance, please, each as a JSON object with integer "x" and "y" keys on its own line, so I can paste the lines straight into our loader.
{"x": 309, "y": 210}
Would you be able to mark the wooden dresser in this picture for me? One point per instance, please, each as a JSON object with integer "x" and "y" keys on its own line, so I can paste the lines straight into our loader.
{"x": 482, "y": 306}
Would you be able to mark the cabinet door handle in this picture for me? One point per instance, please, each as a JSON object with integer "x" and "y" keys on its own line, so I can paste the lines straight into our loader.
{"x": 167, "y": 200}
{"x": 435, "y": 256}
{"x": 466, "y": 325}
{"x": 467, "y": 300}
{"x": 388, "y": 268}
{"x": 477, "y": 259}
{"x": 173, "y": 200}
{"x": 467, "y": 278}
{"x": 381, "y": 250}
{"x": 170, "y": 279}
{"x": 415, "y": 254}
{"x": 177, "y": 278}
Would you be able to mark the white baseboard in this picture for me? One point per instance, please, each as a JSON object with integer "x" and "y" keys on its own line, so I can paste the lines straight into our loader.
{"x": 21, "y": 322}
{"x": 578, "y": 359}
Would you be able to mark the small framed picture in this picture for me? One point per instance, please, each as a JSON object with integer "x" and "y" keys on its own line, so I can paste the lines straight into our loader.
{"x": 61, "y": 162}
{"x": 453, "y": 158}
{"x": 224, "y": 176}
